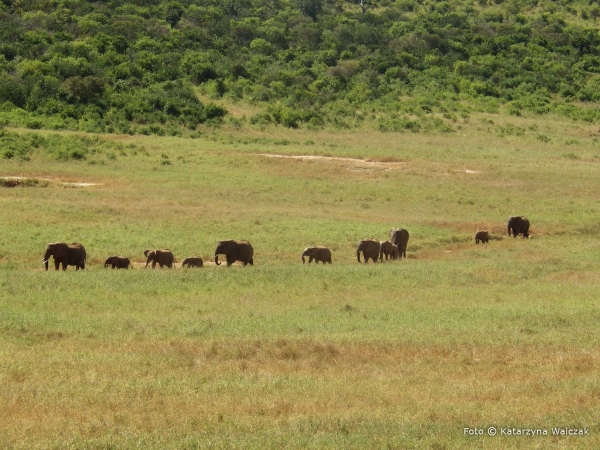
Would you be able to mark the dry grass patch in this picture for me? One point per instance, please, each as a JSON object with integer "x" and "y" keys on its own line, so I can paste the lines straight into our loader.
{"x": 158, "y": 387}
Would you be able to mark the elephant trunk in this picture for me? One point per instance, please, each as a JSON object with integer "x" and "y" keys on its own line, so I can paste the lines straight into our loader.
{"x": 358, "y": 255}
{"x": 217, "y": 259}
{"x": 45, "y": 261}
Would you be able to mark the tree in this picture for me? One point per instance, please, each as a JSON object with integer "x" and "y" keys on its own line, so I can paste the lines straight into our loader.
{"x": 174, "y": 13}
{"x": 310, "y": 8}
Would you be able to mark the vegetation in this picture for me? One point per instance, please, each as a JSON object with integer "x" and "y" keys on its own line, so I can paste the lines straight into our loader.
{"x": 403, "y": 354}
{"x": 127, "y": 126}
{"x": 410, "y": 65}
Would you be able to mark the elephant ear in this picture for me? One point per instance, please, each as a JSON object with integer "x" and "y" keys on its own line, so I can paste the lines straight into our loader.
{"x": 60, "y": 250}
{"x": 146, "y": 252}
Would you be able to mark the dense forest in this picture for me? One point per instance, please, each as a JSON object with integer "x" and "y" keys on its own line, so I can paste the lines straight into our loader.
{"x": 139, "y": 66}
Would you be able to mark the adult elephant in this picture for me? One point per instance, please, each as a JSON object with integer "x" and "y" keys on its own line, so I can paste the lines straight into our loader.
{"x": 389, "y": 250}
{"x": 193, "y": 262}
{"x": 65, "y": 254}
{"x": 163, "y": 257}
{"x": 318, "y": 253}
{"x": 370, "y": 249}
{"x": 399, "y": 237}
{"x": 235, "y": 251}
{"x": 118, "y": 262}
{"x": 483, "y": 236}
{"x": 518, "y": 225}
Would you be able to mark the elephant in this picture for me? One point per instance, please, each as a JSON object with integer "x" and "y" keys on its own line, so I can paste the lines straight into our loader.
{"x": 318, "y": 253}
{"x": 518, "y": 225}
{"x": 65, "y": 254}
{"x": 399, "y": 237}
{"x": 163, "y": 257}
{"x": 389, "y": 250}
{"x": 119, "y": 262}
{"x": 235, "y": 251}
{"x": 192, "y": 262}
{"x": 370, "y": 249}
{"x": 483, "y": 236}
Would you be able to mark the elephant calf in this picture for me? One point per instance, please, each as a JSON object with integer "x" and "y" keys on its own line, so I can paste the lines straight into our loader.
{"x": 482, "y": 236}
{"x": 318, "y": 253}
{"x": 192, "y": 262}
{"x": 118, "y": 262}
{"x": 389, "y": 250}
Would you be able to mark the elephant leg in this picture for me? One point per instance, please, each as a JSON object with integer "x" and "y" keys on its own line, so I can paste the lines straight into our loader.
{"x": 230, "y": 260}
{"x": 251, "y": 261}
{"x": 64, "y": 265}
{"x": 56, "y": 264}
{"x": 310, "y": 259}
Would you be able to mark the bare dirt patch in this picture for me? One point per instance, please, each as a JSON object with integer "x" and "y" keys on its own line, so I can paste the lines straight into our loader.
{"x": 12, "y": 181}
{"x": 359, "y": 164}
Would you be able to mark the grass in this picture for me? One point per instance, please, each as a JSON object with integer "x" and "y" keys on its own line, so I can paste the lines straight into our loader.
{"x": 403, "y": 354}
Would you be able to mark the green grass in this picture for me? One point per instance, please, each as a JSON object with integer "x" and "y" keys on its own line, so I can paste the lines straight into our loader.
{"x": 402, "y": 354}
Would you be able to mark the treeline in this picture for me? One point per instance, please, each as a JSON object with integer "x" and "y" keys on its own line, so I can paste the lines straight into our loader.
{"x": 118, "y": 66}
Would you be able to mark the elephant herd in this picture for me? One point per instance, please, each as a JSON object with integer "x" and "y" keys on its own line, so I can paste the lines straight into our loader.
{"x": 75, "y": 255}
{"x": 516, "y": 225}
{"x": 395, "y": 248}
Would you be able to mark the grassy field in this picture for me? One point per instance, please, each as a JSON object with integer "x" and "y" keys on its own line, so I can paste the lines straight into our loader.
{"x": 403, "y": 354}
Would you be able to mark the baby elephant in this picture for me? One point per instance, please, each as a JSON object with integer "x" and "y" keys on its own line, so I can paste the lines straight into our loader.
{"x": 482, "y": 236}
{"x": 318, "y": 253}
{"x": 389, "y": 250}
{"x": 192, "y": 262}
{"x": 118, "y": 262}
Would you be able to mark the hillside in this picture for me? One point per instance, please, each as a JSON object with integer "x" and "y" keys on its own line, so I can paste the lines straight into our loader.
{"x": 138, "y": 67}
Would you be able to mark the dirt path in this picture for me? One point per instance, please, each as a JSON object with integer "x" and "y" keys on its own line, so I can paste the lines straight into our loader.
{"x": 78, "y": 184}
{"x": 364, "y": 162}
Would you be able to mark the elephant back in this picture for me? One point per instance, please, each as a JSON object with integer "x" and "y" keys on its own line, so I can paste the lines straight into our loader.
{"x": 398, "y": 236}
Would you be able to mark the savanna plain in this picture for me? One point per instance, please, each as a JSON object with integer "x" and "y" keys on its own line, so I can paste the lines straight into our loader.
{"x": 398, "y": 354}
